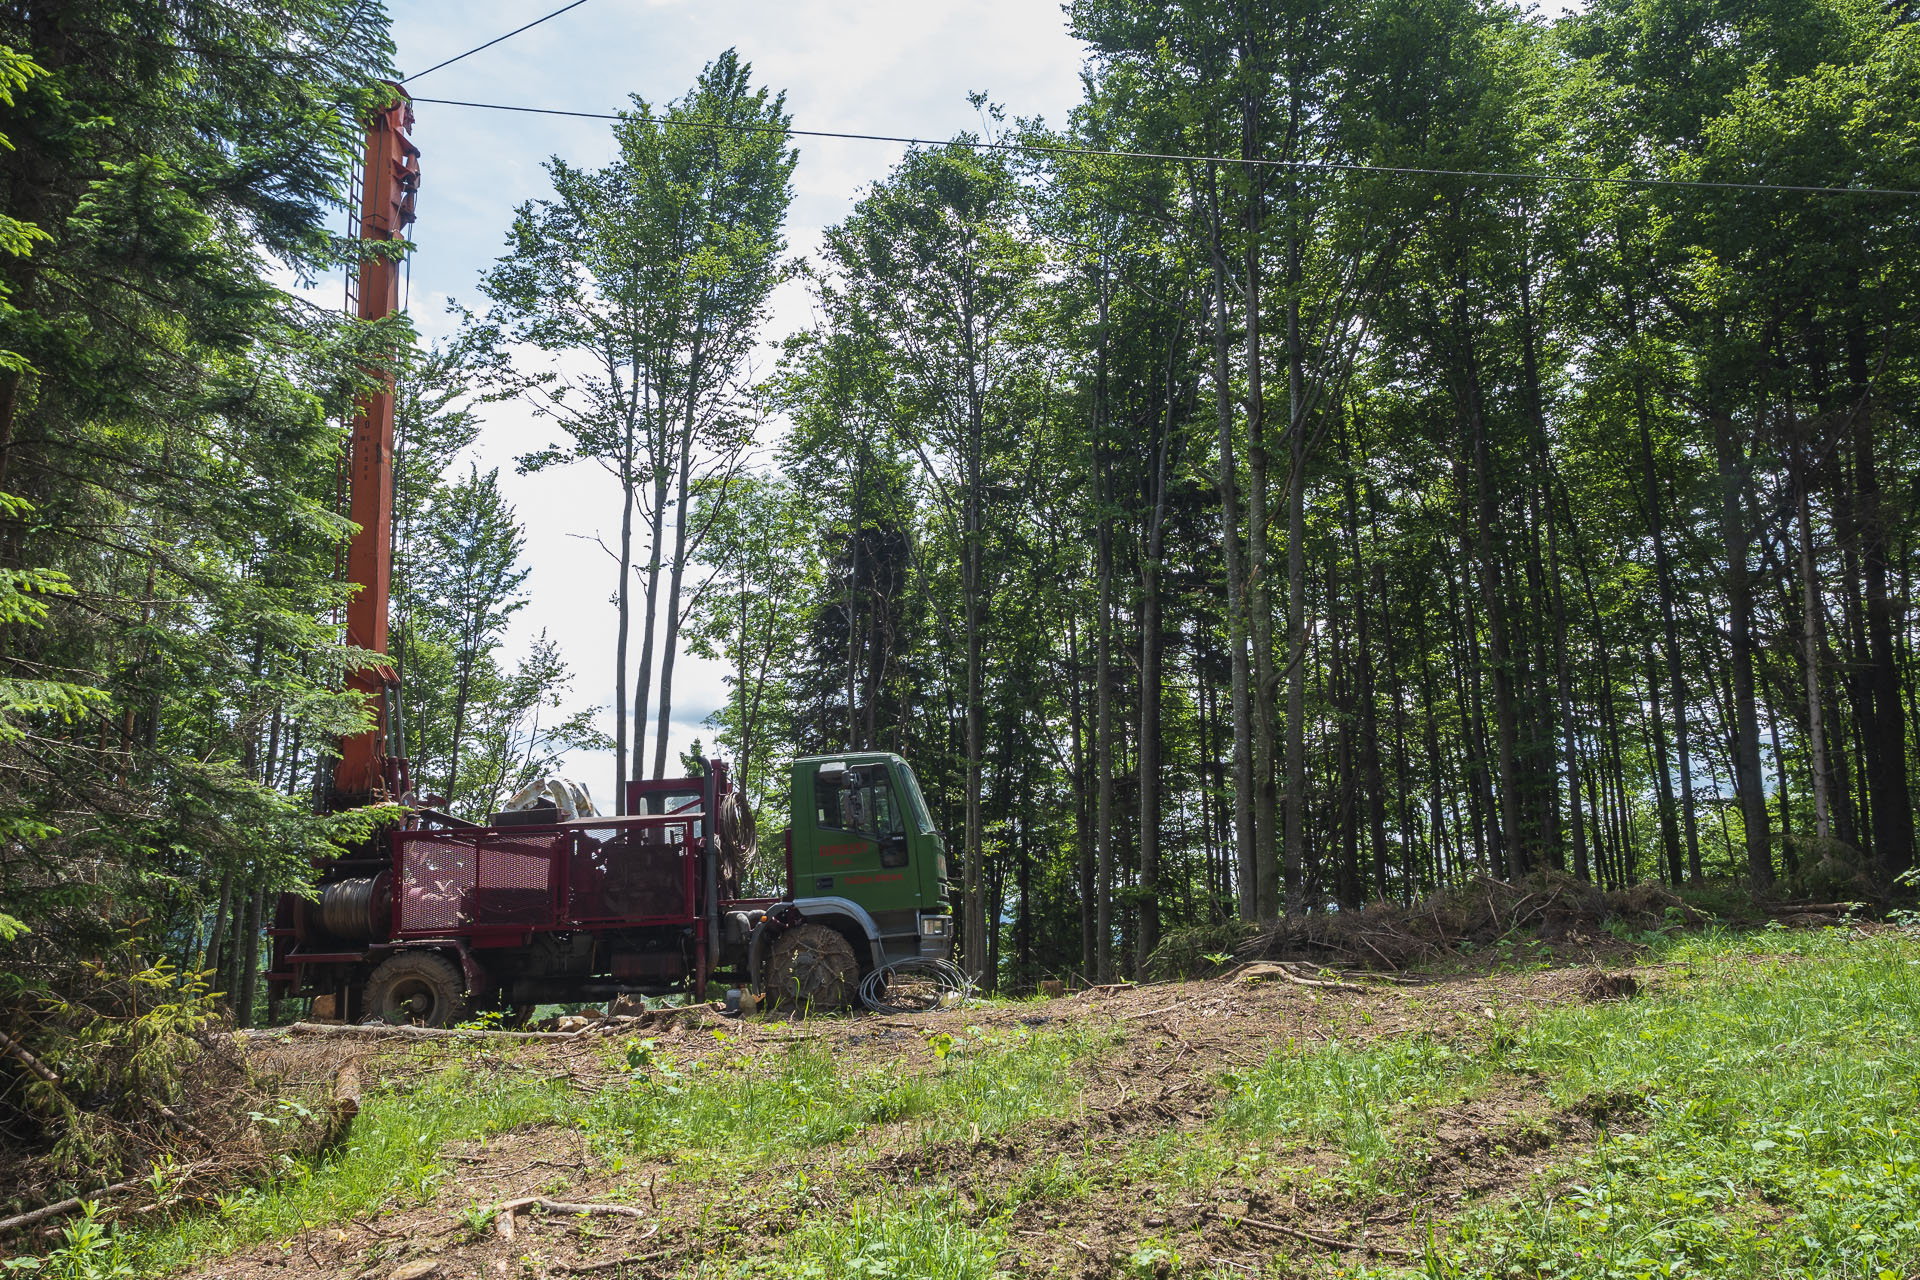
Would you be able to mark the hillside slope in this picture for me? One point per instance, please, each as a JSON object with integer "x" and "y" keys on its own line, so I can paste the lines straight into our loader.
{"x": 1730, "y": 1106}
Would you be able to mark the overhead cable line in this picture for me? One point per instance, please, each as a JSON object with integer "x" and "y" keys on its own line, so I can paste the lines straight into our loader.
{"x": 1307, "y": 166}
{"x": 496, "y": 40}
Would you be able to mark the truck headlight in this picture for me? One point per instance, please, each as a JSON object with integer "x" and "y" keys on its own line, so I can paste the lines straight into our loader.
{"x": 934, "y": 926}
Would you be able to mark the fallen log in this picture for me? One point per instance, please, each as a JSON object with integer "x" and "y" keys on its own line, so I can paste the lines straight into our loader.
{"x": 26, "y": 1059}
{"x": 62, "y": 1207}
{"x": 1314, "y": 1237}
{"x": 344, "y": 1106}
{"x": 504, "y": 1211}
{"x": 181, "y": 1123}
{"x": 376, "y": 1030}
{"x": 1255, "y": 972}
{"x": 379, "y": 1031}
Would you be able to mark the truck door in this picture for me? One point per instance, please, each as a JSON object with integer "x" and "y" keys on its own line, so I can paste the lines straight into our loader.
{"x": 862, "y": 826}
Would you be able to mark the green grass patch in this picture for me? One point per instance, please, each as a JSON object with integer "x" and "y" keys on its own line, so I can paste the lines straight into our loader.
{"x": 895, "y": 1237}
{"x": 978, "y": 1085}
{"x": 391, "y": 1157}
{"x": 1777, "y": 1134}
{"x": 1347, "y": 1095}
{"x": 709, "y": 1117}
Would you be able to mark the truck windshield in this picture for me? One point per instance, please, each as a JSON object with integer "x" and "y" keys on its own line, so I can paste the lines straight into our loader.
{"x": 858, "y": 798}
{"x": 915, "y": 801}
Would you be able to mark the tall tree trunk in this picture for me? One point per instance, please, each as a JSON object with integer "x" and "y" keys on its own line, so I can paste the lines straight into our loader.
{"x": 1227, "y": 483}
{"x": 656, "y": 531}
{"x": 972, "y": 590}
{"x": 1368, "y": 727}
{"x": 1851, "y": 819}
{"x": 671, "y": 642}
{"x": 696, "y": 368}
{"x": 214, "y": 958}
{"x": 1536, "y": 407}
{"x": 1676, "y": 674}
{"x": 1810, "y": 606}
{"x": 1735, "y": 530}
{"x": 1103, "y": 758}
{"x": 1473, "y": 732}
{"x": 1493, "y": 600}
{"x": 1663, "y": 799}
{"x": 1083, "y": 824}
{"x": 462, "y": 690}
{"x": 1338, "y": 696}
{"x": 1436, "y": 810}
{"x": 623, "y": 607}
{"x": 1409, "y": 862}
{"x": 1268, "y": 872}
{"x": 1147, "y": 936}
{"x": 249, "y": 957}
{"x": 10, "y": 380}
{"x": 1885, "y": 735}
{"x": 1296, "y": 492}
{"x": 1569, "y": 737}
{"x": 1104, "y": 725}
{"x": 1780, "y": 786}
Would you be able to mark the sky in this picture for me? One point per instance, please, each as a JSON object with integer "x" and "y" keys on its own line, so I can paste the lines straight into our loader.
{"x": 845, "y": 65}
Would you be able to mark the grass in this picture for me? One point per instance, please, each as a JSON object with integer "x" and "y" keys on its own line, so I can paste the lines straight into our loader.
{"x": 692, "y": 1112}
{"x": 1773, "y": 1084}
{"x": 709, "y": 1119}
{"x": 391, "y": 1160}
{"x": 1780, "y": 1103}
{"x": 1347, "y": 1095}
{"x": 898, "y": 1237}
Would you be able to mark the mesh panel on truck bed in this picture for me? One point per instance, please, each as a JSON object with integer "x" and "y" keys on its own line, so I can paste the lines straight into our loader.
{"x": 453, "y": 880}
{"x": 630, "y": 871}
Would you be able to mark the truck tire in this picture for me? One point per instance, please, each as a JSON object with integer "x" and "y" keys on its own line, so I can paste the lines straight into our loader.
{"x": 422, "y": 988}
{"x": 813, "y": 967}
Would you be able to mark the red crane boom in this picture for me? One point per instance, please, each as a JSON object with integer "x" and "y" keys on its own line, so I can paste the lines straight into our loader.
{"x": 374, "y": 762}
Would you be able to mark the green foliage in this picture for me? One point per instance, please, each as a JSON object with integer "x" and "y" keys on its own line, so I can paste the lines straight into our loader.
{"x": 25, "y": 596}
{"x": 88, "y": 1250}
{"x": 656, "y": 271}
{"x": 124, "y": 1036}
{"x": 169, "y": 428}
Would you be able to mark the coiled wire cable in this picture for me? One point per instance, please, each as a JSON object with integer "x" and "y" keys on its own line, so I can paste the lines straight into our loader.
{"x": 919, "y": 984}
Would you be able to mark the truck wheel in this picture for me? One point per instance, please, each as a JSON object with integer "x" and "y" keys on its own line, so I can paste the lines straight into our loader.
{"x": 813, "y": 967}
{"x": 418, "y": 987}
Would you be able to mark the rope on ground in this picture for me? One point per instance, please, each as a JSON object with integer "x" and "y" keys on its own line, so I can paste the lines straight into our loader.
{"x": 919, "y": 984}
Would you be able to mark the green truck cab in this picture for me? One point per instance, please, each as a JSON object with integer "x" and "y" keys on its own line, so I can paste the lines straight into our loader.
{"x": 865, "y": 865}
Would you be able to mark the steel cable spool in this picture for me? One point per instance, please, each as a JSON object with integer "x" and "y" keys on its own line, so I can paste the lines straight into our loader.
{"x": 920, "y": 984}
{"x": 739, "y": 840}
{"x": 351, "y": 909}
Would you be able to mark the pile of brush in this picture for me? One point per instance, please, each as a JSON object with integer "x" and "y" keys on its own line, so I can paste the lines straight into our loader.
{"x": 123, "y": 1084}
{"x": 1389, "y": 936}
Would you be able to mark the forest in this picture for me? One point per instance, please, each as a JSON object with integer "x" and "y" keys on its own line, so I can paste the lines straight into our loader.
{"x": 1364, "y": 448}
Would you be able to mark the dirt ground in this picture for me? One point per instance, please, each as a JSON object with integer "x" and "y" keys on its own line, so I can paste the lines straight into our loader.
{"x": 1173, "y": 1043}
